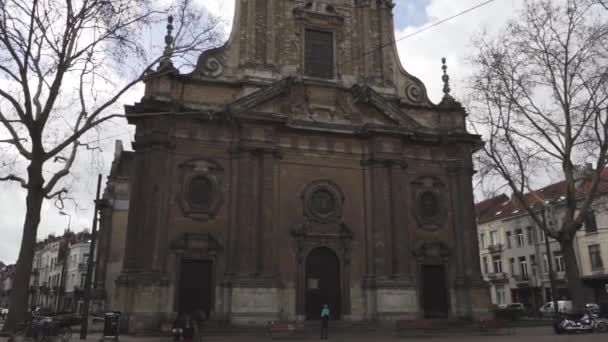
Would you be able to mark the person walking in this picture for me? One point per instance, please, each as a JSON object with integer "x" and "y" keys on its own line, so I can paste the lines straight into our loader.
{"x": 324, "y": 321}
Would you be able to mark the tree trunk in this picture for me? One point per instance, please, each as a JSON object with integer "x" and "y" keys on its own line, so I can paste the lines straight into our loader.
{"x": 18, "y": 301}
{"x": 575, "y": 283}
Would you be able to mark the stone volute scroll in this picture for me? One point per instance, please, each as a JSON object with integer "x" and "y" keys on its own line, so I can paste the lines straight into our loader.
{"x": 429, "y": 203}
{"x": 202, "y": 182}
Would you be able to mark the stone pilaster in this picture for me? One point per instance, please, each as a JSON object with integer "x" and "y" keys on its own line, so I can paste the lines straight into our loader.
{"x": 142, "y": 290}
{"x": 473, "y": 291}
{"x": 253, "y": 283}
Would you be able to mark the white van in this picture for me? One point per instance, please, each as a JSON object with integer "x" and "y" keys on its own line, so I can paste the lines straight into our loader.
{"x": 563, "y": 306}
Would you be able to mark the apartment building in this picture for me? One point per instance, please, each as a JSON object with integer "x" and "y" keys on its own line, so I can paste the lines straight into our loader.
{"x": 6, "y": 284}
{"x": 515, "y": 257}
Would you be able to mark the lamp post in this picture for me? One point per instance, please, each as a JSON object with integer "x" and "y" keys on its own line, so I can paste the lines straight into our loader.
{"x": 550, "y": 266}
{"x": 63, "y": 213}
{"x": 64, "y": 267}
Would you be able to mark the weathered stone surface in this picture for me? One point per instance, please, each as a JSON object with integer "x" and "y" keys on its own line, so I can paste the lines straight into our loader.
{"x": 266, "y": 138}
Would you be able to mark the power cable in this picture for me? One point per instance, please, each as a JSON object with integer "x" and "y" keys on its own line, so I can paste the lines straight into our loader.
{"x": 418, "y": 32}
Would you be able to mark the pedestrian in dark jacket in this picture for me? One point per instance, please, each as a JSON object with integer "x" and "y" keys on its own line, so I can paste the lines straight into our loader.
{"x": 324, "y": 321}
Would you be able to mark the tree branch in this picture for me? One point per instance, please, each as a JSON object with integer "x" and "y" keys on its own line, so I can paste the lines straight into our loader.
{"x": 15, "y": 179}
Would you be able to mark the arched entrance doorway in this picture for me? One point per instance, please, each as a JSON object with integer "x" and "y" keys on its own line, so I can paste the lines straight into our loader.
{"x": 322, "y": 283}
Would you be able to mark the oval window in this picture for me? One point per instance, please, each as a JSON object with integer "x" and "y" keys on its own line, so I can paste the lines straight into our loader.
{"x": 323, "y": 202}
{"x": 428, "y": 205}
{"x": 201, "y": 192}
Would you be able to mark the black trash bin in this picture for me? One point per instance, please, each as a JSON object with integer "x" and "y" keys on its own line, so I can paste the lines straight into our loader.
{"x": 111, "y": 326}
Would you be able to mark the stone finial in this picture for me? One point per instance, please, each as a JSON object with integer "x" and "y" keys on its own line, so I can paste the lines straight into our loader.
{"x": 445, "y": 77}
{"x": 166, "y": 59}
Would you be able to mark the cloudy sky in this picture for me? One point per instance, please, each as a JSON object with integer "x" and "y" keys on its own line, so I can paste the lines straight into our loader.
{"x": 420, "y": 55}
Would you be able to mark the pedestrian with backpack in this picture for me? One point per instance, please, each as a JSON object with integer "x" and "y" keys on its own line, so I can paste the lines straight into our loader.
{"x": 324, "y": 321}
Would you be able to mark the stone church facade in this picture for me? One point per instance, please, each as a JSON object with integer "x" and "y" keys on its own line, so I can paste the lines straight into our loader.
{"x": 291, "y": 170}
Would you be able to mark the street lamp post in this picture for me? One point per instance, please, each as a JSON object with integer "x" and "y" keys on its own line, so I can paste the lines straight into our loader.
{"x": 64, "y": 267}
{"x": 63, "y": 213}
{"x": 550, "y": 266}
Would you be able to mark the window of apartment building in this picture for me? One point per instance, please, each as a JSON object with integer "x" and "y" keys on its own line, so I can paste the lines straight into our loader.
{"x": 512, "y": 266}
{"x": 500, "y": 295}
{"x": 86, "y": 259}
{"x": 319, "y": 54}
{"x": 520, "y": 237}
{"x": 523, "y": 267}
{"x": 497, "y": 262}
{"x": 529, "y": 235}
{"x": 82, "y": 279}
{"x": 508, "y": 239}
{"x": 485, "y": 264}
{"x": 482, "y": 240}
{"x": 595, "y": 257}
{"x": 545, "y": 263}
{"x": 559, "y": 263}
{"x": 590, "y": 222}
{"x": 494, "y": 238}
{"x": 541, "y": 235}
{"x": 533, "y": 263}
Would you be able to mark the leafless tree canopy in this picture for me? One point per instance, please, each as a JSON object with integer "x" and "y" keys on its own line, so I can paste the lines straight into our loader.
{"x": 64, "y": 64}
{"x": 540, "y": 97}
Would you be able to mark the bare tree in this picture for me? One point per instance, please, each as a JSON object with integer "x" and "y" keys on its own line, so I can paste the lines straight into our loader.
{"x": 540, "y": 96}
{"x": 64, "y": 64}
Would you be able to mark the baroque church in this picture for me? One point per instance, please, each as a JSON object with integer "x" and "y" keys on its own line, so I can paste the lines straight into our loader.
{"x": 298, "y": 165}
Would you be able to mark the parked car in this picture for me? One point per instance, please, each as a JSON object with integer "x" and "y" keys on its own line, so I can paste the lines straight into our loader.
{"x": 565, "y": 306}
{"x": 516, "y": 307}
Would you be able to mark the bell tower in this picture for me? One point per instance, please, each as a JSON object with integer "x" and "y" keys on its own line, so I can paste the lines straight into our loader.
{"x": 345, "y": 42}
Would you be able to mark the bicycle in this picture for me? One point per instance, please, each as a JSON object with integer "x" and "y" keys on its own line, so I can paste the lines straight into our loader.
{"x": 45, "y": 329}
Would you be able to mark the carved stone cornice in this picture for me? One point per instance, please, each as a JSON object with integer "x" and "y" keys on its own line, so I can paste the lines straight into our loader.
{"x": 152, "y": 140}
{"x": 256, "y": 150}
{"x": 385, "y": 162}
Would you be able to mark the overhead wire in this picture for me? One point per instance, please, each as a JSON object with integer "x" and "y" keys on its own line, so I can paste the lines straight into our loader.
{"x": 344, "y": 63}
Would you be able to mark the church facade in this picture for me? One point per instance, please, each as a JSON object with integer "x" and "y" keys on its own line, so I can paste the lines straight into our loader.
{"x": 297, "y": 165}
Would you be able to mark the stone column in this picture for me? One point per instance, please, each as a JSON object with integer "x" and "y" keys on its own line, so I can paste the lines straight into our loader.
{"x": 253, "y": 241}
{"x": 142, "y": 288}
{"x": 479, "y": 302}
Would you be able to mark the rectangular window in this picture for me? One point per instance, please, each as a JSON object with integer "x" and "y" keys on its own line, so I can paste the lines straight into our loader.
{"x": 520, "y": 237}
{"x": 319, "y": 54}
{"x": 482, "y": 240}
{"x": 512, "y": 266}
{"x": 529, "y": 235}
{"x": 595, "y": 256}
{"x": 541, "y": 235}
{"x": 508, "y": 239}
{"x": 545, "y": 263}
{"x": 533, "y": 264}
{"x": 559, "y": 264}
{"x": 590, "y": 222}
{"x": 494, "y": 239}
{"x": 500, "y": 295}
{"x": 523, "y": 267}
{"x": 485, "y": 264}
{"x": 497, "y": 262}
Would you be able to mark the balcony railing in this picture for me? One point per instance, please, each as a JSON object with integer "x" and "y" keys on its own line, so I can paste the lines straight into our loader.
{"x": 495, "y": 248}
{"x": 498, "y": 277}
{"x": 522, "y": 279}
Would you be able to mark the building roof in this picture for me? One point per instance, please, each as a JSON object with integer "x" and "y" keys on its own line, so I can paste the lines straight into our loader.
{"x": 502, "y": 206}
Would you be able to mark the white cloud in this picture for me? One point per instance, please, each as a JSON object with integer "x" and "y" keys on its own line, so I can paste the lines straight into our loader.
{"x": 420, "y": 55}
